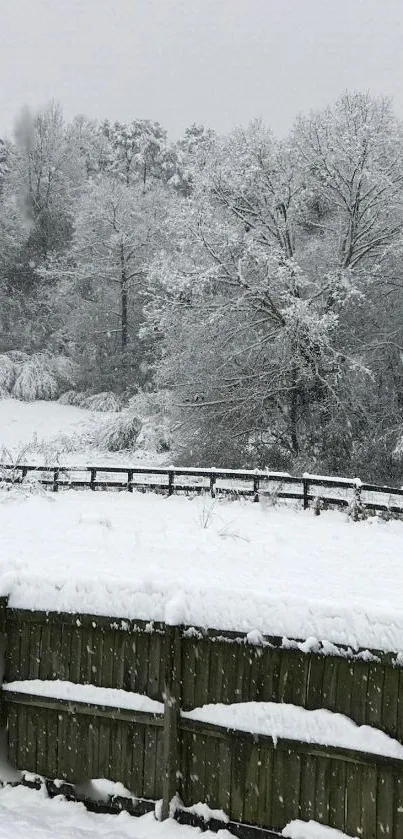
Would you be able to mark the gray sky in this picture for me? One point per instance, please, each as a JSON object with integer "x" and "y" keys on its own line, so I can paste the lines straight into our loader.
{"x": 221, "y": 62}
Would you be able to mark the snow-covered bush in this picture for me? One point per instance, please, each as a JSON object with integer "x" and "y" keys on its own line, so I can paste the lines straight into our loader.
{"x": 4, "y": 394}
{"x": 7, "y": 375}
{"x": 34, "y": 380}
{"x": 104, "y": 402}
{"x": 18, "y": 356}
{"x": 73, "y": 397}
{"x": 155, "y": 412}
{"x": 39, "y": 376}
{"x": 120, "y": 432}
{"x": 64, "y": 369}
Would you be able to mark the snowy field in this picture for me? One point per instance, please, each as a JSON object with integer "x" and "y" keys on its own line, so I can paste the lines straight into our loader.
{"x": 27, "y": 814}
{"x": 50, "y": 433}
{"x": 229, "y": 565}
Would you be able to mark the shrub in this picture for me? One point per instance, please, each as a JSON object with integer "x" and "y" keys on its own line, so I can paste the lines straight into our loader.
{"x": 105, "y": 402}
{"x": 73, "y": 397}
{"x": 39, "y": 376}
{"x": 7, "y": 374}
{"x": 120, "y": 432}
{"x": 64, "y": 370}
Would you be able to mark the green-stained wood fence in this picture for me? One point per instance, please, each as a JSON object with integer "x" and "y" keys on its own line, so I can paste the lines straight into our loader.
{"x": 156, "y": 755}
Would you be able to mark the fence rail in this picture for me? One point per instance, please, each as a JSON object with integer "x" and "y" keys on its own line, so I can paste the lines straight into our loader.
{"x": 172, "y": 480}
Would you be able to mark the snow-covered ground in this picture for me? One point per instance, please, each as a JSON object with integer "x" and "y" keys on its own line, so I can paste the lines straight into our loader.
{"x": 229, "y": 565}
{"x": 28, "y": 814}
{"x": 51, "y": 433}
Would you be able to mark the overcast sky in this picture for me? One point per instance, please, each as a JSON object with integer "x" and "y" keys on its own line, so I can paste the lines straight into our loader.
{"x": 220, "y": 62}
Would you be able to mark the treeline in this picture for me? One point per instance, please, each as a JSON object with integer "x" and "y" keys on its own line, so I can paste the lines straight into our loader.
{"x": 259, "y": 283}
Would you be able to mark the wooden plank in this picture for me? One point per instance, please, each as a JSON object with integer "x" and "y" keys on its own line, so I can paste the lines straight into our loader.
{"x": 345, "y": 675}
{"x": 265, "y": 785}
{"x": 390, "y": 700}
{"x": 150, "y": 755}
{"x": 280, "y": 787}
{"x": 63, "y": 758}
{"x": 359, "y": 688}
{"x": 188, "y": 672}
{"x": 52, "y": 744}
{"x": 93, "y": 748}
{"x": 31, "y": 739}
{"x": 122, "y": 641}
{"x": 252, "y": 687}
{"x": 353, "y": 800}
{"x": 251, "y": 789}
{"x": 229, "y": 673}
{"x": 322, "y": 791}
{"x": 337, "y": 794}
{"x": 212, "y": 773}
{"x": 24, "y": 651}
{"x": 55, "y": 651}
{"x": 239, "y": 756}
{"x": 104, "y": 729}
{"x": 385, "y": 805}
{"x": 40, "y": 721}
{"x": 295, "y": 688}
{"x": 108, "y": 658}
{"x": 270, "y": 669}
{"x": 45, "y": 663}
{"x": 12, "y": 665}
{"x": 224, "y": 775}
{"x": 69, "y": 661}
{"x": 140, "y": 649}
{"x": 202, "y": 673}
{"x": 308, "y": 787}
{"x": 376, "y": 677}
{"x": 12, "y": 735}
{"x": 159, "y": 760}
{"x": 292, "y": 769}
{"x": 155, "y": 666}
{"x": 398, "y": 807}
{"x": 243, "y": 687}
{"x": 185, "y": 751}
{"x": 368, "y": 802}
{"x": 336, "y": 684}
{"x": 315, "y": 677}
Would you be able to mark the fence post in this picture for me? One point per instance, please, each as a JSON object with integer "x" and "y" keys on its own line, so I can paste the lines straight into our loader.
{"x": 55, "y": 480}
{"x": 130, "y": 480}
{"x": 3, "y": 651}
{"x": 256, "y": 488}
{"x": 92, "y": 478}
{"x": 305, "y": 484}
{"x": 213, "y": 479}
{"x": 171, "y": 717}
{"x": 171, "y": 476}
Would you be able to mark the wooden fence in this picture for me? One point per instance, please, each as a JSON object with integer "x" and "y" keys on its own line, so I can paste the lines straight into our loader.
{"x": 171, "y": 480}
{"x": 157, "y": 755}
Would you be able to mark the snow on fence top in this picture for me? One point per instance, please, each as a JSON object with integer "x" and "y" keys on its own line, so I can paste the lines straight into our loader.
{"x": 202, "y": 562}
{"x": 291, "y": 722}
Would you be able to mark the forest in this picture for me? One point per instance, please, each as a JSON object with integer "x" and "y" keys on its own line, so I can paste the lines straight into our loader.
{"x": 247, "y": 289}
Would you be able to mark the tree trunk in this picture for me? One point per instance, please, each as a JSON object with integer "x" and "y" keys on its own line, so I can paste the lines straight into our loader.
{"x": 123, "y": 300}
{"x": 293, "y": 412}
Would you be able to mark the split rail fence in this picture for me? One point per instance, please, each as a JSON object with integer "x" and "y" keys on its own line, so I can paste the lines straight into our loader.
{"x": 256, "y": 484}
{"x": 156, "y": 755}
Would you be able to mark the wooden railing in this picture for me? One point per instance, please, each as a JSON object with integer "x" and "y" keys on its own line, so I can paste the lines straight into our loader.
{"x": 308, "y": 489}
